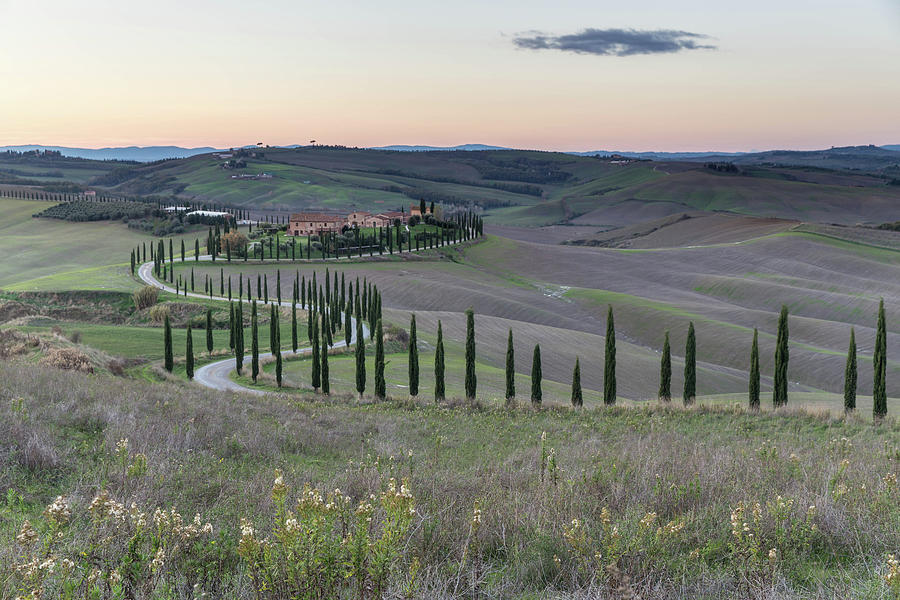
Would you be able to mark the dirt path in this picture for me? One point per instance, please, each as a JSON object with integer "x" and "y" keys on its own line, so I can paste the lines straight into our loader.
{"x": 216, "y": 375}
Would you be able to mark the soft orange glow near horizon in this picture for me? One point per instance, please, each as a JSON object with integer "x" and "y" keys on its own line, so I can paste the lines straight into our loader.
{"x": 224, "y": 74}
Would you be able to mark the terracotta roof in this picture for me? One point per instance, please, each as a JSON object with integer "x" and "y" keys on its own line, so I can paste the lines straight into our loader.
{"x": 316, "y": 217}
{"x": 392, "y": 214}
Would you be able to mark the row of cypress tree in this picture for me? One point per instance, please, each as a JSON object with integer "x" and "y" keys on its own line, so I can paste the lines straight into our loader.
{"x": 322, "y": 324}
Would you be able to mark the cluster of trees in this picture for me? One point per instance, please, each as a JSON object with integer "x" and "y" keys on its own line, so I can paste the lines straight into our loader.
{"x": 225, "y": 239}
{"x": 87, "y": 210}
{"x": 722, "y": 167}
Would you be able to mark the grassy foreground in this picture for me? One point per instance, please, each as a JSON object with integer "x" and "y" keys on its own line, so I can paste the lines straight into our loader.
{"x": 656, "y": 501}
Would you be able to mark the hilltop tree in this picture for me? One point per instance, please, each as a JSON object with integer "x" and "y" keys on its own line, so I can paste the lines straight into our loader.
{"x": 439, "y": 391}
{"x": 471, "y": 380}
{"x": 316, "y": 359}
{"x": 850, "y": 375}
{"x": 254, "y": 343}
{"x": 536, "y": 392}
{"x": 209, "y": 331}
{"x": 754, "y": 371}
{"x": 780, "y": 392}
{"x": 665, "y": 372}
{"x": 690, "y": 367}
{"x": 879, "y": 362}
{"x": 379, "y": 362}
{"x": 510, "y": 369}
{"x": 609, "y": 367}
{"x": 413, "y": 359}
{"x": 169, "y": 360}
{"x": 360, "y": 359}
{"x": 577, "y": 400}
{"x": 189, "y": 354}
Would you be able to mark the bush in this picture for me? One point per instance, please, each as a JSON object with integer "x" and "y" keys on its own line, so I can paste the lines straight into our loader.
{"x": 159, "y": 313}
{"x": 68, "y": 359}
{"x": 145, "y": 297}
{"x": 75, "y": 337}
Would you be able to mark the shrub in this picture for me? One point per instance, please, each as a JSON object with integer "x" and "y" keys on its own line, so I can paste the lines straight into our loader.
{"x": 145, "y": 297}
{"x": 326, "y": 548}
{"x": 159, "y": 313}
{"x": 68, "y": 359}
{"x": 75, "y": 337}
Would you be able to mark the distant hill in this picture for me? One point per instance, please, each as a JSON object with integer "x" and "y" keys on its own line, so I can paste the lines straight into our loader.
{"x": 462, "y": 147}
{"x": 136, "y": 153}
{"x": 894, "y": 147}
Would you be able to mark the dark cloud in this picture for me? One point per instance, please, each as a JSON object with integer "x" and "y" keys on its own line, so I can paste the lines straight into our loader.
{"x": 615, "y": 42}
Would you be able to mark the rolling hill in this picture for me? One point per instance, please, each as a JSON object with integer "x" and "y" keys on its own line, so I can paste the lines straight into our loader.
{"x": 517, "y": 187}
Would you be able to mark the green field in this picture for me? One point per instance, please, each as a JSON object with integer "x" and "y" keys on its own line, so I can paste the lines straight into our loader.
{"x": 46, "y": 254}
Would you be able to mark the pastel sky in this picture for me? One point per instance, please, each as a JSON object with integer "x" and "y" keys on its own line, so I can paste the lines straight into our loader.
{"x": 767, "y": 74}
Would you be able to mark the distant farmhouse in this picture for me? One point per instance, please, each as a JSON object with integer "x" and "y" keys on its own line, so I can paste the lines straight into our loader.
{"x": 315, "y": 223}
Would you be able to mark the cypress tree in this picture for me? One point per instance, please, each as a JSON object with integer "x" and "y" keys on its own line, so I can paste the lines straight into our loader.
{"x": 278, "y": 286}
{"x": 413, "y": 359}
{"x": 189, "y": 354}
{"x": 850, "y": 375}
{"x": 326, "y": 385}
{"x": 266, "y": 288}
{"x": 510, "y": 369}
{"x": 209, "y": 331}
{"x": 754, "y": 371}
{"x": 360, "y": 359}
{"x": 577, "y": 400}
{"x": 294, "y": 326}
{"x": 231, "y": 326}
{"x": 273, "y": 328}
{"x": 254, "y": 343}
{"x": 471, "y": 380}
{"x": 665, "y": 372}
{"x": 316, "y": 359}
{"x": 439, "y": 391}
{"x": 879, "y": 362}
{"x": 380, "y": 387}
{"x": 779, "y": 394}
{"x": 536, "y": 392}
{"x": 690, "y": 367}
{"x": 167, "y": 341}
{"x": 238, "y": 332}
{"x": 348, "y": 324}
{"x": 182, "y": 250}
{"x": 278, "y": 361}
{"x": 609, "y": 367}
{"x": 196, "y": 250}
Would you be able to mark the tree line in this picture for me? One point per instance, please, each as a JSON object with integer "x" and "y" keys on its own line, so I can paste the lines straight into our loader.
{"x": 332, "y": 307}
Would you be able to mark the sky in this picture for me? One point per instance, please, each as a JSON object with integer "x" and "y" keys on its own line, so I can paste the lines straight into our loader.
{"x": 569, "y": 75}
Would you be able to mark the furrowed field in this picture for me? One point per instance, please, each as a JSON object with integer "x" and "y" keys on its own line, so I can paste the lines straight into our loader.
{"x": 299, "y": 494}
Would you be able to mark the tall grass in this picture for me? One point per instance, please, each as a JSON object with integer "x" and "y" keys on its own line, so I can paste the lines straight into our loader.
{"x": 651, "y": 502}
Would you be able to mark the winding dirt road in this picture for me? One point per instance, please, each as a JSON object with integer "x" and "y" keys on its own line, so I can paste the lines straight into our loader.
{"x": 216, "y": 375}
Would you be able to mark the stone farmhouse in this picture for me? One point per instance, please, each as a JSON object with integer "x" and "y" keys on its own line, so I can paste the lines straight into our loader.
{"x": 316, "y": 223}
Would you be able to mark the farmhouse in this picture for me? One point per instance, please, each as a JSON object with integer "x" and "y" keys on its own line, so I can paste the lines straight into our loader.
{"x": 358, "y": 218}
{"x": 415, "y": 210}
{"x": 313, "y": 223}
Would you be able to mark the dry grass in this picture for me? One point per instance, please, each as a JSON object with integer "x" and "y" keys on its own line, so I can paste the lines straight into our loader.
{"x": 216, "y": 453}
